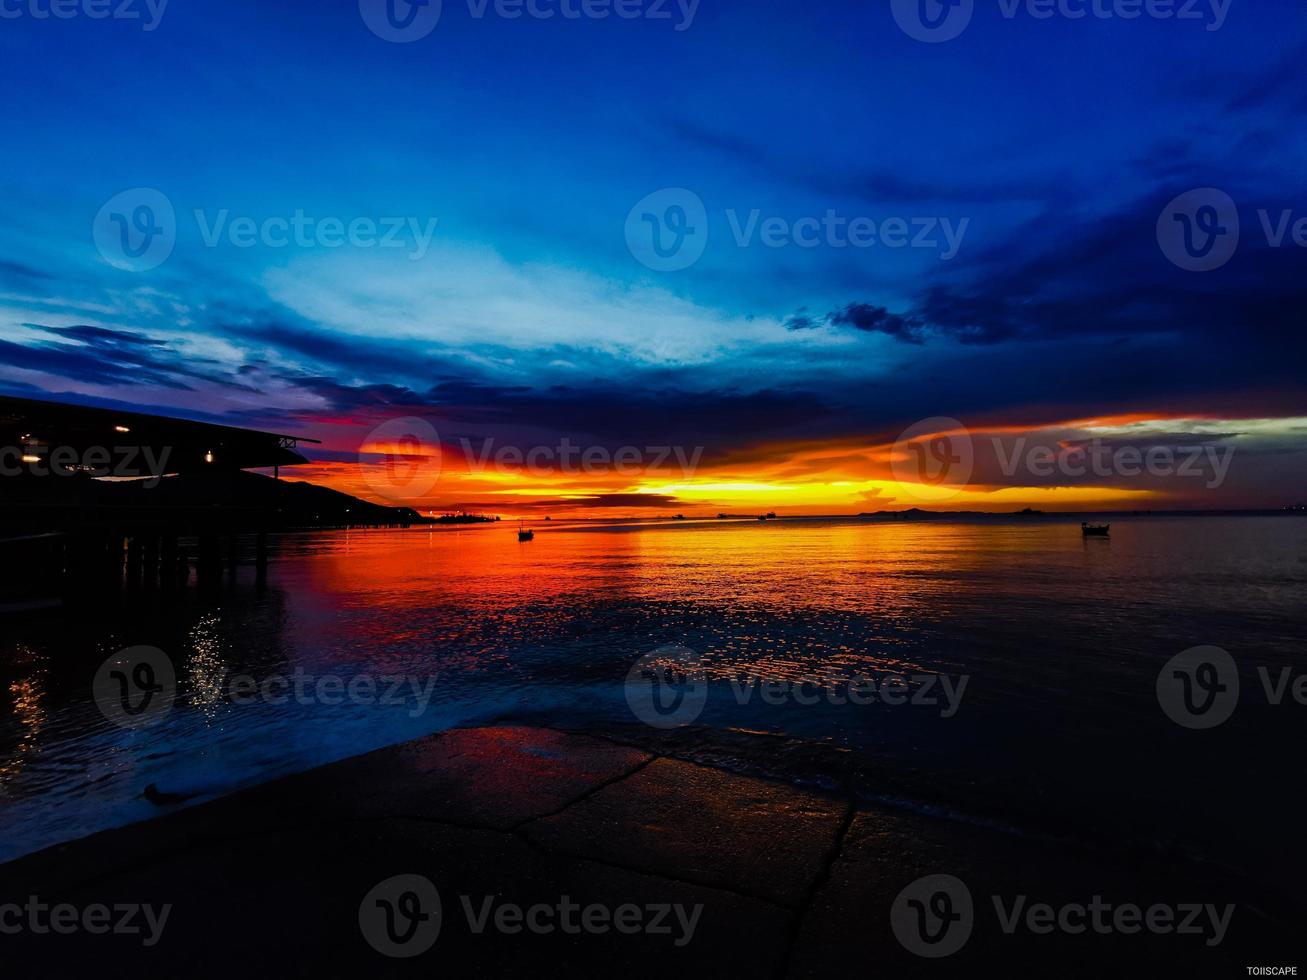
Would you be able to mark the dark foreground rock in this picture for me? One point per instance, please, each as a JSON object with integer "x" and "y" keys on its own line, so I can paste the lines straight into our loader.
{"x": 528, "y": 852}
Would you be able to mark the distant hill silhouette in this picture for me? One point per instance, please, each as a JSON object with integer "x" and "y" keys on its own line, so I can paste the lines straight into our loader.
{"x": 288, "y": 503}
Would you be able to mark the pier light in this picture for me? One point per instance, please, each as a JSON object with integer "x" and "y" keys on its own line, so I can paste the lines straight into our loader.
{"x": 121, "y": 428}
{"x": 31, "y": 459}
{"x": 208, "y": 457}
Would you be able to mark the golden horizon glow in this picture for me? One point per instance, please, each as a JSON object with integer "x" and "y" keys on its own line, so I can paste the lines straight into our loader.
{"x": 847, "y": 476}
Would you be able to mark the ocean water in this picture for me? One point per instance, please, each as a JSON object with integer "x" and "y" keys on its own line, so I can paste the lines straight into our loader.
{"x": 1045, "y": 649}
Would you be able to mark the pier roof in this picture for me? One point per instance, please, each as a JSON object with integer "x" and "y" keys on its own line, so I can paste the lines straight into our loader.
{"x": 39, "y": 427}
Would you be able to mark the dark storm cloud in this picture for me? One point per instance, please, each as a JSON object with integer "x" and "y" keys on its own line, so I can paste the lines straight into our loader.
{"x": 136, "y": 405}
{"x": 617, "y": 417}
{"x": 600, "y": 415}
{"x": 1279, "y": 84}
{"x": 1147, "y": 440}
{"x": 1108, "y": 280}
{"x": 866, "y": 317}
{"x": 104, "y": 356}
{"x": 626, "y": 501}
{"x": 115, "y": 365}
{"x": 1066, "y": 318}
{"x": 364, "y": 356}
{"x": 103, "y": 338}
{"x": 356, "y": 398}
{"x": 1169, "y": 161}
{"x": 13, "y": 273}
{"x": 802, "y": 321}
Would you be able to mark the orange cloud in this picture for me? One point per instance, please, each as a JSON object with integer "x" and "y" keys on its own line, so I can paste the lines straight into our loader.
{"x": 843, "y": 477}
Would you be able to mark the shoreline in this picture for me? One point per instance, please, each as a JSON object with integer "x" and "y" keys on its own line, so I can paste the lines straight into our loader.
{"x": 527, "y": 812}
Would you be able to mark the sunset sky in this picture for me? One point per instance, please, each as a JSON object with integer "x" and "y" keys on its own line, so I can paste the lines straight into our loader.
{"x": 777, "y": 371}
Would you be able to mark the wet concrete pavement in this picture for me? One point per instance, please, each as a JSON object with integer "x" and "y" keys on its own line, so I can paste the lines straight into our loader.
{"x": 516, "y": 851}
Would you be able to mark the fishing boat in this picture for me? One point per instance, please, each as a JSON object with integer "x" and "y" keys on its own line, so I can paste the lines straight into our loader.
{"x": 762, "y": 517}
{"x": 525, "y": 533}
{"x": 1095, "y": 530}
{"x": 771, "y": 515}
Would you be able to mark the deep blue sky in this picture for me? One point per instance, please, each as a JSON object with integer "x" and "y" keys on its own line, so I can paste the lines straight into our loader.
{"x": 1055, "y": 143}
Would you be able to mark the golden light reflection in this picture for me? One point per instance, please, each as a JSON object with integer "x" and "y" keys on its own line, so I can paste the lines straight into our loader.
{"x": 28, "y": 695}
{"x": 784, "y": 600}
{"x": 207, "y": 668}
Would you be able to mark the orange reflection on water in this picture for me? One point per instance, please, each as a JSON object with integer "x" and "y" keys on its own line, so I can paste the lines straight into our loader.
{"x": 28, "y": 697}
{"x": 847, "y": 565}
{"x": 777, "y": 599}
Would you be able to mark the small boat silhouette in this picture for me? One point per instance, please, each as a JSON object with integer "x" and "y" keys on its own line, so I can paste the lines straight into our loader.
{"x": 1095, "y": 530}
{"x": 525, "y": 533}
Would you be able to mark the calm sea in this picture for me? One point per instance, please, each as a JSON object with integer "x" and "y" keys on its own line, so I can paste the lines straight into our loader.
{"x": 1045, "y": 648}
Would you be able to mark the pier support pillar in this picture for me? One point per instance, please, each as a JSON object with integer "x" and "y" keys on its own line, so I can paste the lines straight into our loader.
{"x": 135, "y": 559}
{"x": 209, "y": 565}
{"x": 150, "y": 560}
